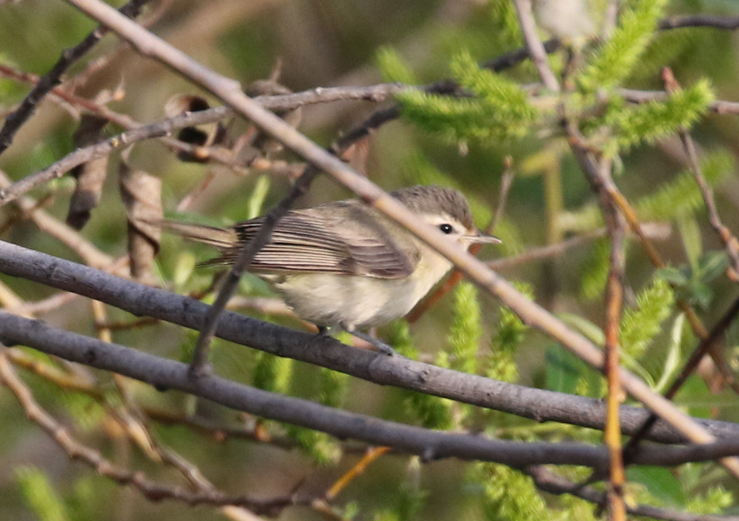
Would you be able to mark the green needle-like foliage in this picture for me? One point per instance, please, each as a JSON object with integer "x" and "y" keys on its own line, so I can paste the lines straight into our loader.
{"x": 318, "y": 446}
{"x": 501, "y": 363}
{"x": 510, "y": 495}
{"x": 650, "y": 121}
{"x": 39, "y": 495}
{"x": 643, "y": 322}
{"x": 466, "y": 329}
{"x": 430, "y": 411}
{"x": 272, "y": 373}
{"x": 618, "y": 55}
{"x": 500, "y": 109}
{"x": 331, "y": 387}
{"x": 393, "y": 68}
{"x": 595, "y": 271}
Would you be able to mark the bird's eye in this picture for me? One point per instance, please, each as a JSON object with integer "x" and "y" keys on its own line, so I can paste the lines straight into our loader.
{"x": 446, "y": 228}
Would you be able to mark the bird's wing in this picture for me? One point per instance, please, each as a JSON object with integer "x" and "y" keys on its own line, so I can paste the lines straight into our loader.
{"x": 307, "y": 241}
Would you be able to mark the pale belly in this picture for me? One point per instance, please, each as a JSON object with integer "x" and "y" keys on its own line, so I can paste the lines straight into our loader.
{"x": 346, "y": 300}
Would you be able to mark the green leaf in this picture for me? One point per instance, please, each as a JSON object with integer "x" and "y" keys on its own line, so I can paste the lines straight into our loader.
{"x": 660, "y": 482}
{"x": 563, "y": 370}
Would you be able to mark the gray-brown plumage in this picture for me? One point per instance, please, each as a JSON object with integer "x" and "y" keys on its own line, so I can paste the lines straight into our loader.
{"x": 345, "y": 263}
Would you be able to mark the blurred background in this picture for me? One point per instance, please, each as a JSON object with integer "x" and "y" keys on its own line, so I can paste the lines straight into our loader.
{"x": 324, "y": 43}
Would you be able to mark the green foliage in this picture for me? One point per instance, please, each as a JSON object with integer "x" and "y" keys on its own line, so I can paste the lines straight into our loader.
{"x": 500, "y": 109}
{"x": 430, "y": 411}
{"x": 410, "y": 497}
{"x": 714, "y": 501}
{"x": 508, "y": 336}
{"x": 642, "y": 323}
{"x": 40, "y": 496}
{"x": 595, "y": 271}
{"x": 318, "y": 446}
{"x": 507, "y": 28}
{"x": 693, "y": 283}
{"x": 272, "y": 373}
{"x": 466, "y": 329}
{"x": 392, "y": 67}
{"x": 648, "y": 122}
{"x": 331, "y": 387}
{"x": 616, "y": 58}
{"x": 675, "y": 198}
{"x": 687, "y": 491}
{"x": 509, "y": 495}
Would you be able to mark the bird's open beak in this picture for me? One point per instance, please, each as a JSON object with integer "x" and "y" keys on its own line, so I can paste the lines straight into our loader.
{"x": 483, "y": 238}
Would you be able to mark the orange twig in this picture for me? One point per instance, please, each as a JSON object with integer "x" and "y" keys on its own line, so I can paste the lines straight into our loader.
{"x": 371, "y": 455}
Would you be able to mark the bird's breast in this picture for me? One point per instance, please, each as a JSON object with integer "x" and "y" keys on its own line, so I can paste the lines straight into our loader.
{"x": 329, "y": 300}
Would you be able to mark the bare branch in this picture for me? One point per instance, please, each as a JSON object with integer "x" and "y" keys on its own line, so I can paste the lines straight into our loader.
{"x": 533, "y": 44}
{"x": 548, "y": 481}
{"x": 140, "y": 300}
{"x": 701, "y": 20}
{"x": 614, "y": 303}
{"x": 430, "y": 444}
{"x": 15, "y": 120}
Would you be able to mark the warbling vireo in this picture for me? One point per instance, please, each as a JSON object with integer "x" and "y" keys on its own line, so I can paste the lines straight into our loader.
{"x": 345, "y": 264}
{"x": 568, "y": 20}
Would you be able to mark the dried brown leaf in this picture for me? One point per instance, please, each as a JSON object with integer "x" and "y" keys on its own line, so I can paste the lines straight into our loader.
{"x": 204, "y": 135}
{"x": 91, "y": 175}
{"x": 142, "y": 196}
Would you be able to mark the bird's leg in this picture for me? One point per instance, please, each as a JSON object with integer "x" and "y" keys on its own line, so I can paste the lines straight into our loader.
{"x": 323, "y": 331}
{"x": 382, "y": 347}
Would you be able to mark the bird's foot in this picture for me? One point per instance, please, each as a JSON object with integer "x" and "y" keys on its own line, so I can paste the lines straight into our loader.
{"x": 382, "y": 347}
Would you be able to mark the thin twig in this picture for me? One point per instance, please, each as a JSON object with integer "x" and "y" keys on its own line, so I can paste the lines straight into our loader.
{"x": 701, "y": 20}
{"x": 46, "y": 83}
{"x": 141, "y": 300}
{"x": 151, "y": 490}
{"x": 533, "y": 44}
{"x": 614, "y": 304}
{"x": 545, "y": 252}
{"x": 704, "y": 346}
{"x": 168, "y": 374}
{"x": 59, "y": 230}
{"x": 550, "y": 482}
{"x": 605, "y": 186}
{"x": 371, "y": 455}
{"x": 648, "y": 96}
{"x": 731, "y": 244}
{"x": 610, "y": 19}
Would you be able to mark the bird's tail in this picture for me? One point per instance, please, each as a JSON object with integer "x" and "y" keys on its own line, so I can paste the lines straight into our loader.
{"x": 223, "y": 239}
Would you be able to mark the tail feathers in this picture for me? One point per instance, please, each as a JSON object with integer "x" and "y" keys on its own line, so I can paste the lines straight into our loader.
{"x": 223, "y": 239}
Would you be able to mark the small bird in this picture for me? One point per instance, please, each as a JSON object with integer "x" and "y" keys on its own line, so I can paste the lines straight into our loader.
{"x": 345, "y": 264}
{"x": 568, "y": 20}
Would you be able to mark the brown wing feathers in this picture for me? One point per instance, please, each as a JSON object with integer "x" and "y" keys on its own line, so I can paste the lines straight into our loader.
{"x": 305, "y": 241}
